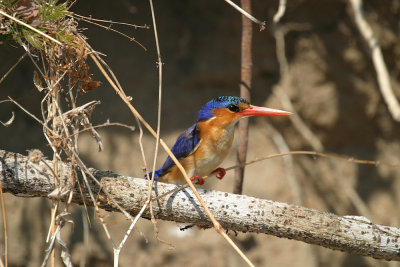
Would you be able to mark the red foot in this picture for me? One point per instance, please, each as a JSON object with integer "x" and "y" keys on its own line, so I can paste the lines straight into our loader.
{"x": 197, "y": 180}
{"x": 221, "y": 172}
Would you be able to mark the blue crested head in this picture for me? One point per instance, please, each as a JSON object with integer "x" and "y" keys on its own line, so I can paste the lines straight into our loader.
{"x": 219, "y": 102}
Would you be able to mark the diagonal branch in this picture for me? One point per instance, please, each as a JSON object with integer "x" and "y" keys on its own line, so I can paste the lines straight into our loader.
{"x": 23, "y": 177}
{"x": 378, "y": 60}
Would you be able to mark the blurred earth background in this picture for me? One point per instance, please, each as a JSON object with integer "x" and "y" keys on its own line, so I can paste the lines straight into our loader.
{"x": 333, "y": 88}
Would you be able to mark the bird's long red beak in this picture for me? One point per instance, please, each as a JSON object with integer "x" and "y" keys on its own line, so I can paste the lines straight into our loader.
{"x": 261, "y": 111}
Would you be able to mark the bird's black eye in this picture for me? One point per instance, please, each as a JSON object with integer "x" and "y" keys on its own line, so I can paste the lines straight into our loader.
{"x": 233, "y": 108}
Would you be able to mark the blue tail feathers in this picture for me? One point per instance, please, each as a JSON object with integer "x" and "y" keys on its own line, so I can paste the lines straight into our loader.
{"x": 157, "y": 174}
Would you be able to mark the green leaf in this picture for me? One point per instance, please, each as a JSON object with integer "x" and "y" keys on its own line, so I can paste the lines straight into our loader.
{"x": 50, "y": 11}
{"x": 33, "y": 38}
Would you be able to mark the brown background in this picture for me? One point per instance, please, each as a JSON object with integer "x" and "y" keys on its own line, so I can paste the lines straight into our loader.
{"x": 333, "y": 88}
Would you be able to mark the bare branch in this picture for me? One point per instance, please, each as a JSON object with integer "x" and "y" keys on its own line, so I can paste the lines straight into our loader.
{"x": 245, "y": 87}
{"x": 279, "y": 91}
{"x": 352, "y": 234}
{"x": 377, "y": 58}
{"x": 281, "y": 11}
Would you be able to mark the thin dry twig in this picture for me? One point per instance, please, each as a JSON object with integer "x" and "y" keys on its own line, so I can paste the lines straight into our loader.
{"x": 103, "y": 224}
{"x": 160, "y": 72}
{"x": 117, "y": 250}
{"x": 29, "y": 113}
{"x": 245, "y": 87}
{"x": 112, "y": 22}
{"x": 3, "y": 211}
{"x": 86, "y": 245}
{"x": 12, "y": 67}
{"x": 247, "y": 15}
{"x": 160, "y": 68}
{"x": 53, "y": 86}
{"x": 65, "y": 255}
{"x": 378, "y": 60}
{"x": 106, "y": 124}
{"x": 10, "y": 120}
{"x": 91, "y": 21}
{"x": 52, "y": 219}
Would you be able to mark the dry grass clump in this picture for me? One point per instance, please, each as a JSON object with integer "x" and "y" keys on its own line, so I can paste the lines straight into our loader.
{"x": 52, "y": 19}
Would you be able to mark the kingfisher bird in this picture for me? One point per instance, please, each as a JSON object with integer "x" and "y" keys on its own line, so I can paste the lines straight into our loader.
{"x": 202, "y": 147}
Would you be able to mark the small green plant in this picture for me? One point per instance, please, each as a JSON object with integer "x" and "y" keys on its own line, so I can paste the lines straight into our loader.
{"x": 46, "y": 16}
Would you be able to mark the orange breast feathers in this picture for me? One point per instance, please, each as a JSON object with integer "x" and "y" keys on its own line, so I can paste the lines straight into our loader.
{"x": 216, "y": 136}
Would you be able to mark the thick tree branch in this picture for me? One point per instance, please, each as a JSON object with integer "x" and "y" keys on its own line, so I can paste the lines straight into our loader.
{"x": 32, "y": 177}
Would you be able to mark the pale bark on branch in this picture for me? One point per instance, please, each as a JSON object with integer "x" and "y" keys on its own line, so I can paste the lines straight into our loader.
{"x": 27, "y": 177}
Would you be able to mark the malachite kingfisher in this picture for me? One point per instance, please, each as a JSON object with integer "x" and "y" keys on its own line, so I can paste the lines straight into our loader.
{"x": 202, "y": 147}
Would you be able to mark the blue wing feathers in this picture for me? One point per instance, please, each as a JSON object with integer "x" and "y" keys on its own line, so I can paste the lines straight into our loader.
{"x": 184, "y": 145}
{"x": 156, "y": 174}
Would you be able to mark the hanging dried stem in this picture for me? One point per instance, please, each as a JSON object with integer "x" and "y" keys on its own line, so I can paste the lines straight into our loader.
{"x": 160, "y": 72}
{"x": 62, "y": 75}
